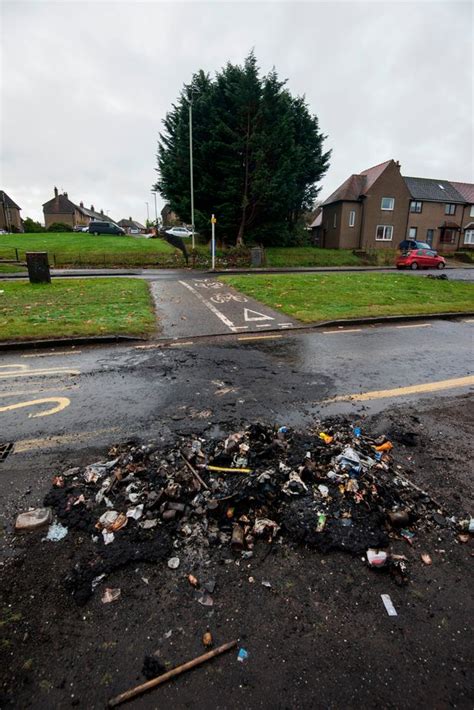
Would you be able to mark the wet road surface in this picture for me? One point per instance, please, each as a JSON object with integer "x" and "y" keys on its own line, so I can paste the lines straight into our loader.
{"x": 68, "y": 400}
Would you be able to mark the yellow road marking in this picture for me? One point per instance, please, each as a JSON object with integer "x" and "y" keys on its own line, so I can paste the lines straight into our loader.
{"x": 61, "y": 403}
{"x": 17, "y": 365}
{"x": 411, "y": 389}
{"x": 38, "y": 373}
{"x": 148, "y": 347}
{"x": 61, "y": 440}
{"x": 468, "y": 320}
{"x": 43, "y": 389}
{"x": 415, "y": 325}
{"x": 345, "y": 330}
{"x": 66, "y": 352}
{"x": 259, "y": 337}
{"x": 176, "y": 345}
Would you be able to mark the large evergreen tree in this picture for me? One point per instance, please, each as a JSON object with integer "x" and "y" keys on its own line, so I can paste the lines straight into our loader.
{"x": 257, "y": 153}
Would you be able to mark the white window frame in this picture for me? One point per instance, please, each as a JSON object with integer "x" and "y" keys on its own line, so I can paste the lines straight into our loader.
{"x": 415, "y": 204}
{"x": 392, "y": 204}
{"x": 448, "y": 208}
{"x": 410, "y": 235}
{"x": 387, "y": 228}
{"x": 471, "y": 213}
{"x": 352, "y": 218}
{"x": 334, "y": 222}
{"x": 469, "y": 236}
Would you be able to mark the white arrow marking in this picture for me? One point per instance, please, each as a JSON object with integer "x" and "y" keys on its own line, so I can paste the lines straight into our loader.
{"x": 260, "y": 316}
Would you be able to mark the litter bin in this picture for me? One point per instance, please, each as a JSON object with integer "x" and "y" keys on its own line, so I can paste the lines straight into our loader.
{"x": 257, "y": 256}
{"x": 38, "y": 267}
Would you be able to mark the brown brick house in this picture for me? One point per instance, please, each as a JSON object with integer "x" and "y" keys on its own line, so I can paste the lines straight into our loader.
{"x": 466, "y": 189}
{"x": 61, "y": 209}
{"x": 379, "y": 208}
{"x": 10, "y": 219}
{"x": 131, "y": 226}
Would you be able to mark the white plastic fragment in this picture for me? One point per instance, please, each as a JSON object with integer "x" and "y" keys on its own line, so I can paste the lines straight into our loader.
{"x": 135, "y": 513}
{"x": 391, "y": 611}
{"x": 173, "y": 562}
{"x": 110, "y": 595}
{"x": 56, "y": 532}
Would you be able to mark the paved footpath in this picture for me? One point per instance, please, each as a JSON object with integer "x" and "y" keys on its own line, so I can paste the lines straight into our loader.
{"x": 191, "y": 307}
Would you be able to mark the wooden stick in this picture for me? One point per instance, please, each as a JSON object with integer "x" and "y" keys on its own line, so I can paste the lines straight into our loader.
{"x": 140, "y": 689}
{"x": 193, "y": 471}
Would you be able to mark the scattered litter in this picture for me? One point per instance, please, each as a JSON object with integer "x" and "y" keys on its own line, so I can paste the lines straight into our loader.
{"x": 391, "y": 611}
{"x": 204, "y": 598}
{"x": 110, "y": 595}
{"x": 377, "y": 558}
{"x": 173, "y": 562}
{"x": 242, "y": 655}
{"x": 266, "y": 584}
{"x": 135, "y": 513}
{"x": 192, "y": 580}
{"x": 140, "y": 689}
{"x": 207, "y": 639}
{"x": 33, "y": 520}
{"x": 426, "y": 559}
{"x": 56, "y": 532}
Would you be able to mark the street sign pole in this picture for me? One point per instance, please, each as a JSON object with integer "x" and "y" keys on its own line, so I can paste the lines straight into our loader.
{"x": 213, "y": 242}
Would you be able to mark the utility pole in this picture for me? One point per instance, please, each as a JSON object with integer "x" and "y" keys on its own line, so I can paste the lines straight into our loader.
{"x": 156, "y": 209}
{"x": 191, "y": 166}
{"x": 147, "y": 212}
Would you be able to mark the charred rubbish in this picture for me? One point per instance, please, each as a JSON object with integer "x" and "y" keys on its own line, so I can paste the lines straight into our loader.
{"x": 184, "y": 505}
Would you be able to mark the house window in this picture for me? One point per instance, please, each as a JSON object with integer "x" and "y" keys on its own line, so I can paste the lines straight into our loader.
{"x": 352, "y": 218}
{"x": 388, "y": 203}
{"x": 334, "y": 223}
{"x": 449, "y": 209}
{"x": 469, "y": 236}
{"x": 415, "y": 206}
{"x": 384, "y": 233}
{"x": 412, "y": 232}
{"x": 471, "y": 213}
{"x": 430, "y": 236}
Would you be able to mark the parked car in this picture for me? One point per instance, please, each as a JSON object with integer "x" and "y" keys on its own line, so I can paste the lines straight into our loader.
{"x": 179, "y": 232}
{"x": 80, "y": 228}
{"x": 420, "y": 259}
{"x": 407, "y": 244}
{"x": 105, "y": 228}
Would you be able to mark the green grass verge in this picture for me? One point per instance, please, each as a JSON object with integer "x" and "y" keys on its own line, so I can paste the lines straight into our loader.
{"x": 11, "y": 269}
{"x": 319, "y": 297}
{"x": 310, "y": 256}
{"x": 81, "y": 249}
{"x": 75, "y": 307}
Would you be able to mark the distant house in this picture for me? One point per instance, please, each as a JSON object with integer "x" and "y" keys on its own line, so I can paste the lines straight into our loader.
{"x": 378, "y": 208}
{"x": 61, "y": 209}
{"x": 169, "y": 217}
{"x": 131, "y": 226}
{"x": 10, "y": 219}
{"x": 316, "y": 228}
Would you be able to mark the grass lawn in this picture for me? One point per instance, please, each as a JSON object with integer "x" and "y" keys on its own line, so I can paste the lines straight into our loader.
{"x": 74, "y": 307}
{"x": 310, "y": 256}
{"x": 81, "y": 249}
{"x": 11, "y": 269}
{"x": 316, "y": 297}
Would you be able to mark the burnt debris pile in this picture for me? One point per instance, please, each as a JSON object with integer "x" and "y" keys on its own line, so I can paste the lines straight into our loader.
{"x": 329, "y": 488}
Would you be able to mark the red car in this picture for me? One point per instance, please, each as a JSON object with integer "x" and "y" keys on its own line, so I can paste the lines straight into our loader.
{"x": 420, "y": 259}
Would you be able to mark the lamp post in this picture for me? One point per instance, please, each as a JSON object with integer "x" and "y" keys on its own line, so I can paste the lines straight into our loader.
{"x": 147, "y": 212}
{"x": 191, "y": 174}
{"x": 153, "y": 192}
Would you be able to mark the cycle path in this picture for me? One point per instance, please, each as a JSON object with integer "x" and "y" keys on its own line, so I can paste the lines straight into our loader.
{"x": 205, "y": 306}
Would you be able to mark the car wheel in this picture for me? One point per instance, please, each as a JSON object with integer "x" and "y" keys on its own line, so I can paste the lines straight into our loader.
{"x": 441, "y": 265}
{"x": 414, "y": 266}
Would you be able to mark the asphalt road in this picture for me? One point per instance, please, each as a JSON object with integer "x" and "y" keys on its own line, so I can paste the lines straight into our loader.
{"x": 55, "y": 405}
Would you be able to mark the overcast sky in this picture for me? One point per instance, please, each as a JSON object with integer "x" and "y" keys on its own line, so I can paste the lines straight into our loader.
{"x": 85, "y": 86}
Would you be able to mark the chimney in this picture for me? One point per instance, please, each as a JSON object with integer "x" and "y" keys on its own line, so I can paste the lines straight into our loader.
{"x": 130, "y": 219}
{"x": 102, "y": 212}
{"x": 397, "y": 163}
{"x": 81, "y": 204}
{"x": 55, "y": 192}
{"x": 92, "y": 208}
{"x": 65, "y": 195}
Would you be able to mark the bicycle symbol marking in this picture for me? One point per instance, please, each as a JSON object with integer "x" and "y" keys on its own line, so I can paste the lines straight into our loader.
{"x": 227, "y": 297}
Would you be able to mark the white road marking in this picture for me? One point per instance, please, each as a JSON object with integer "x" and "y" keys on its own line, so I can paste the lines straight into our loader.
{"x": 468, "y": 320}
{"x": 211, "y": 306}
{"x": 285, "y": 325}
{"x": 346, "y": 330}
{"x": 415, "y": 325}
{"x": 259, "y": 316}
{"x": 241, "y": 327}
{"x": 177, "y": 345}
{"x": 264, "y": 325}
{"x": 68, "y": 352}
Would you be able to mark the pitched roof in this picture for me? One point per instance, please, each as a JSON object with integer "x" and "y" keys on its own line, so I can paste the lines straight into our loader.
{"x": 131, "y": 223}
{"x": 6, "y": 200}
{"x": 466, "y": 189}
{"x": 432, "y": 190}
{"x": 317, "y": 222}
{"x": 357, "y": 185}
{"x": 60, "y": 204}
